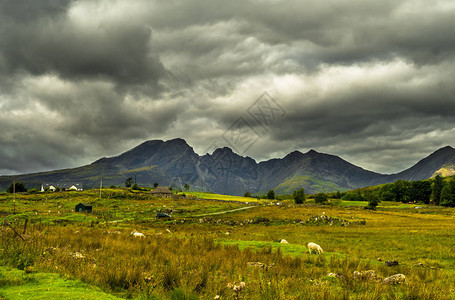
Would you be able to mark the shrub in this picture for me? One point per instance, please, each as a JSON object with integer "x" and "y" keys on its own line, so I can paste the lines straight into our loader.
{"x": 320, "y": 198}
{"x": 299, "y": 196}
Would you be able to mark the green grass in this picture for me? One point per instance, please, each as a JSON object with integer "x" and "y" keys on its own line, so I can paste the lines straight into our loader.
{"x": 191, "y": 256}
{"x": 205, "y": 195}
{"x": 290, "y": 184}
{"x": 17, "y": 284}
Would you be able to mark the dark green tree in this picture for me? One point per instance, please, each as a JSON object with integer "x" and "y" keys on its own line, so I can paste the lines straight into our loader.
{"x": 436, "y": 187}
{"x": 387, "y": 193}
{"x": 135, "y": 187}
{"x": 420, "y": 191}
{"x": 247, "y": 194}
{"x": 128, "y": 182}
{"x": 448, "y": 194}
{"x": 20, "y": 188}
{"x": 373, "y": 199}
{"x": 155, "y": 185}
{"x": 186, "y": 186}
{"x": 353, "y": 196}
{"x": 320, "y": 198}
{"x": 299, "y": 196}
{"x": 402, "y": 189}
{"x": 271, "y": 194}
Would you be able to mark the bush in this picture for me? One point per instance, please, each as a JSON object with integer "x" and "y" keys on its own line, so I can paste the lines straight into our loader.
{"x": 20, "y": 188}
{"x": 320, "y": 198}
{"x": 299, "y": 196}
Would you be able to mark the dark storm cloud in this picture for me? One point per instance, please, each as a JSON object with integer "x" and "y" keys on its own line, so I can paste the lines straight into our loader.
{"x": 73, "y": 45}
{"x": 370, "y": 81}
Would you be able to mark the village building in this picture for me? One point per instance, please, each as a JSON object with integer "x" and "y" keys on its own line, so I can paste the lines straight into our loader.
{"x": 63, "y": 186}
{"x": 162, "y": 192}
{"x": 83, "y": 207}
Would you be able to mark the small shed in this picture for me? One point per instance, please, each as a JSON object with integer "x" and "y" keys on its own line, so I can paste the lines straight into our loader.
{"x": 83, "y": 207}
{"x": 162, "y": 192}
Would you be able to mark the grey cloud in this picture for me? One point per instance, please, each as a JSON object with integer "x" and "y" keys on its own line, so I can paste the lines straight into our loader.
{"x": 113, "y": 73}
{"x": 74, "y": 49}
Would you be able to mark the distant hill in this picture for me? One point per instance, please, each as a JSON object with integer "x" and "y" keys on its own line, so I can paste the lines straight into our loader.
{"x": 175, "y": 163}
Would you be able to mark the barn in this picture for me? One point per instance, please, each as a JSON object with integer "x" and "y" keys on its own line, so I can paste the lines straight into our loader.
{"x": 162, "y": 192}
{"x": 83, "y": 207}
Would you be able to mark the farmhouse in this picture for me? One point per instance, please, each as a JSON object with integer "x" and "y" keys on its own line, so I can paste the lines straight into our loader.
{"x": 63, "y": 186}
{"x": 162, "y": 192}
{"x": 83, "y": 207}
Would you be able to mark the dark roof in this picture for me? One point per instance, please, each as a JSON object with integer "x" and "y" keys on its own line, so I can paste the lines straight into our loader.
{"x": 84, "y": 204}
{"x": 161, "y": 190}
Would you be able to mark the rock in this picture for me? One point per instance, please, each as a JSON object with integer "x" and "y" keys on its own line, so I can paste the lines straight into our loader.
{"x": 283, "y": 241}
{"x": 366, "y": 275}
{"x": 335, "y": 275}
{"x": 260, "y": 265}
{"x": 391, "y": 263}
{"x": 395, "y": 279}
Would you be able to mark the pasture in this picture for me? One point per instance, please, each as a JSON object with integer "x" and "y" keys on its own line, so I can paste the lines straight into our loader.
{"x": 209, "y": 247}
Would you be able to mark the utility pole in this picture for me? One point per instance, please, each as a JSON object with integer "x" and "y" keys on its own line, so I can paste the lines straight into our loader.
{"x": 101, "y": 185}
{"x": 134, "y": 177}
{"x": 14, "y": 195}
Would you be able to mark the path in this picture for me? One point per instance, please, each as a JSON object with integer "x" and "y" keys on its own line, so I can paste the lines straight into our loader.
{"x": 224, "y": 212}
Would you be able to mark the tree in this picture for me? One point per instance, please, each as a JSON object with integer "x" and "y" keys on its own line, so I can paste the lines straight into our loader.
{"x": 387, "y": 192}
{"x": 186, "y": 186}
{"x": 135, "y": 187}
{"x": 128, "y": 182}
{"x": 401, "y": 189}
{"x": 320, "y": 198}
{"x": 299, "y": 196}
{"x": 247, "y": 194}
{"x": 448, "y": 194}
{"x": 353, "y": 196}
{"x": 373, "y": 199}
{"x": 20, "y": 188}
{"x": 271, "y": 194}
{"x": 436, "y": 188}
{"x": 155, "y": 185}
{"x": 420, "y": 191}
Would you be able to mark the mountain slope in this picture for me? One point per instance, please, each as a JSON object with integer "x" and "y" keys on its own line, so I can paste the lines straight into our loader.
{"x": 175, "y": 163}
{"x": 427, "y": 167}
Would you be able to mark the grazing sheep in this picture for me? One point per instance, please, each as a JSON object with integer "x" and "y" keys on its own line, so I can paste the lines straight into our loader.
{"x": 283, "y": 241}
{"x": 137, "y": 234}
{"x": 314, "y": 247}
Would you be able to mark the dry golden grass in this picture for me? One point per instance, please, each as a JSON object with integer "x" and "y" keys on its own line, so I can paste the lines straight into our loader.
{"x": 199, "y": 257}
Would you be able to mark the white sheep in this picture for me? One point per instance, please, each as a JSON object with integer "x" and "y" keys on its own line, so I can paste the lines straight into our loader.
{"x": 314, "y": 247}
{"x": 137, "y": 234}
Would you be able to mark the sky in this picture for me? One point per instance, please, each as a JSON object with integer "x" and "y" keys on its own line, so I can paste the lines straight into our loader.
{"x": 369, "y": 81}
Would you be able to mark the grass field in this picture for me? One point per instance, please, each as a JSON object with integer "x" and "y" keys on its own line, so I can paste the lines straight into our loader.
{"x": 208, "y": 247}
{"x": 204, "y": 195}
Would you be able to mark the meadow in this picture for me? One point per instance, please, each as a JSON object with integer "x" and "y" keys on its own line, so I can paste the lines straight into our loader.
{"x": 209, "y": 247}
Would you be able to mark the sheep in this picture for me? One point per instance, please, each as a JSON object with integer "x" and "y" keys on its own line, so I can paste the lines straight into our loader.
{"x": 137, "y": 234}
{"x": 314, "y": 247}
{"x": 283, "y": 241}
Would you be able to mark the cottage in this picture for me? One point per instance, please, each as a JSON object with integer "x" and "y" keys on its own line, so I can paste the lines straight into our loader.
{"x": 83, "y": 207}
{"x": 162, "y": 192}
{"x": 62, "y": 186}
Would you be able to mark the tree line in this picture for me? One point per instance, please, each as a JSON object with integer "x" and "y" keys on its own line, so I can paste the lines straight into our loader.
{"x": 436, "y": 191}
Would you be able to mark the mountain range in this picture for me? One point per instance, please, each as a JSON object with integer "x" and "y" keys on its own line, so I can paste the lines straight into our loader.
{"x": 175, "y": 163}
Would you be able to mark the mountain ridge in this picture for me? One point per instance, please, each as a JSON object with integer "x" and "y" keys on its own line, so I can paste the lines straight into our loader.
{"x": 174, "y": 162}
